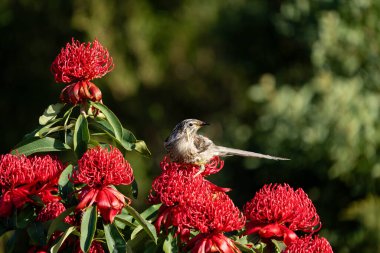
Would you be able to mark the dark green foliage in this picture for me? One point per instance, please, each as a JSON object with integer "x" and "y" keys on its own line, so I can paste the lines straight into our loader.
{"x": 298, "y": 79}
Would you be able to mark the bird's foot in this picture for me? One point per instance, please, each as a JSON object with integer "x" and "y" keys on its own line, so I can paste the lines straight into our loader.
{"x": 201, "y": 170}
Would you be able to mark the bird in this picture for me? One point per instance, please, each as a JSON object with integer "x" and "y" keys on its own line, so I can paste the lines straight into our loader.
{"x": 185, "y": 145}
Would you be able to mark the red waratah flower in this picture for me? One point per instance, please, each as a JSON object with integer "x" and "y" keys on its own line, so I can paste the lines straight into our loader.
{"x": 212, "y": 167}
{"x": 308, "y": 244}
{"x": 99, "y": 168}
{"x": 76, "y": 65}
{"x": 50, "y": 211}
{"x": 276, "y": 211}
{"x": 22, "y": 177}
{"x": 213, "y": 242}
{"x": 190, "y": 202}
{"x": 212, "y": 215}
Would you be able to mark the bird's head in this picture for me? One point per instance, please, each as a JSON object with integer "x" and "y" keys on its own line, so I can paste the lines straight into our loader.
{"x": 187, "y": 128}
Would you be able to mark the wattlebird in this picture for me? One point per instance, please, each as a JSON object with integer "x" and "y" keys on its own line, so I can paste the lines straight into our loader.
{"x": 185, "y": 145}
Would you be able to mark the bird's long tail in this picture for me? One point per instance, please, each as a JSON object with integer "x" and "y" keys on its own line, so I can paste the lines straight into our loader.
{"x": 224, "y": 151}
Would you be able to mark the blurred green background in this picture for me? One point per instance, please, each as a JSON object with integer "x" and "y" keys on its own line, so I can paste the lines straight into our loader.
{"x": 298, "y": 79}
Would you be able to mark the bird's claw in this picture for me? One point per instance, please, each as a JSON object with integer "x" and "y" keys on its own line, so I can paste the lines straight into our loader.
{"x": 201, "y": 170}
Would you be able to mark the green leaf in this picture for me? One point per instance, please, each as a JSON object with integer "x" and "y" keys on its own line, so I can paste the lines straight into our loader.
{"x": 88, "y": 227}
{"x": 50, "y": 113}
{"x": 147, "y": 226}
{"x": 36, "y": 233}
{"x": 58, "y": 223}
{"x": 25, "y": 216}
{"x": 112, "y": 119}
{"x": 115, "y": 241}
{"x": 279, "y": 245}
{"x": 140, "y": 146}
{"x": 81, "y": 136}
{"x": 129, "y": 140}
{"x": 150, "y": 211}
{"x": 37, "y": 145}
{"x": 170, "y": 245}
{"x": 65, "y": 186}
{"x": 136, "y": 231}
{"x": 125, "y": 218}
{"x": 55, "y": 247}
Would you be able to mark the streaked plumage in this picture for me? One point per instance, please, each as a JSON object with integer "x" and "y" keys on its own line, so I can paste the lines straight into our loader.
{"x": 184, "y": 145}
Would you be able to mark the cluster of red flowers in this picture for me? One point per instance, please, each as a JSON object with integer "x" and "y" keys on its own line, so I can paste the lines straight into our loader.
{"x": 278, "y": 211}
{"x": 191, "y": 203}
{"x": 100, "y": 169}
{"x": 22, "y": 177}
{"x": 76, "y": 65}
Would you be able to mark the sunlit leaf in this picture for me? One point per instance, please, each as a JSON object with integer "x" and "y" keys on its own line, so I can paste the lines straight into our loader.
{"x": 50, "y": 113}
{"x": 141, "y": 147}
{"x": 112, "y": 119}
{"x": 37, "y": 145}
{"x": 147, "y": 226}
{"x": 55, "y": 247}
{"x": 170, "y": 245}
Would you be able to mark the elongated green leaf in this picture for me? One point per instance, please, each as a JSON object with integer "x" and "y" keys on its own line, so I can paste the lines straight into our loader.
{"x": 115, "y": 241}
{"x": 125, "y": 218}
{"x": 50, "y": 113}
{"x": 103, "y": 125}
{"x": 37, "y": 145}
{"x": 112, "y": 119}
{"x": 136, "y": 231}
{"x": 140, "y": 146}
{"x": 65, "y": 186}
{"x": 36, "y": 233}
{"x": 150, "y": 211}
{"x": 58, "y": 223}
{"x": 147, "y": 226}
{"x": 88, "y": 227}
{"x": 55, "y": 247}
{"x": 81, "y": 136}
{"x": 169, "y": 245}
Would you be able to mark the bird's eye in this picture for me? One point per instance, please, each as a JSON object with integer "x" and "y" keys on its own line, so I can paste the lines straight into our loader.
{"x": 191, "y": 124}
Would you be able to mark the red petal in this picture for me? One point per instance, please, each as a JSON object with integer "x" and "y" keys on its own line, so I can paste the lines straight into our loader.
{"x": 88, "y": 198}
{"x": 5, "y": 205}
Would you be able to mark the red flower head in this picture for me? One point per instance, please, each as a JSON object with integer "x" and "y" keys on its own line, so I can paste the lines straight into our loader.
{"x": 214, "y": 166}
{"x": 47, "y": 170}
{"x": 21, "y": 177}
{"x": 308, "y": 244}
{"x": 15, "y": 171}
{"x": 276, "y": 211}
{"x": 77, "y": 64}
{"x": 50, "y": 211}
{"x": 99, "y": 168}
{"x": 214, "y": 242}
{"x": 211, "y": 214}
{"x": 191, "y": 202}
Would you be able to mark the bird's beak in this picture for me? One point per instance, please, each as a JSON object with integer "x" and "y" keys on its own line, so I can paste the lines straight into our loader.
{"x": 202, "y": 123}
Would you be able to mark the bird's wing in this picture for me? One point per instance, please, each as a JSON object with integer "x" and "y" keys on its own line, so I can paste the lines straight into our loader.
{"x": 224, "y": 151}
{"x": 202, "y": 143}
